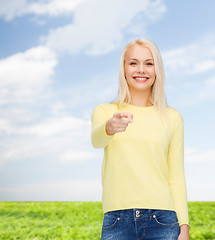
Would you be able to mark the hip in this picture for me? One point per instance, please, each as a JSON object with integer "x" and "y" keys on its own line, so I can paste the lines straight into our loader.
{"x": 140, "y": 223}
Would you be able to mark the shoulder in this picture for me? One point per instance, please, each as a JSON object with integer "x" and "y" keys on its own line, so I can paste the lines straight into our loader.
{"x": 174, "y": 113}
{"x": 175, "y": 117}
{"x": 108, "y": 108}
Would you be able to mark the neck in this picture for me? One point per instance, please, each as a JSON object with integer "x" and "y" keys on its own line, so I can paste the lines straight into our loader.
{"x": 141, "y": 99}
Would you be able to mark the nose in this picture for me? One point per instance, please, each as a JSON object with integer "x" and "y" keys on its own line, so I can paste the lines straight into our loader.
{"x": 141, "y": 68}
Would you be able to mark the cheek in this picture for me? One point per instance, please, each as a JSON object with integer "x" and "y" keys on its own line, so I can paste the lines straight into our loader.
{"x": 152, "y": 72}
{"x": 128, "y": 71}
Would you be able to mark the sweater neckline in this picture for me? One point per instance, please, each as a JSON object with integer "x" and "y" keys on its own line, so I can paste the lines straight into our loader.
{"x": 139, "y": 108}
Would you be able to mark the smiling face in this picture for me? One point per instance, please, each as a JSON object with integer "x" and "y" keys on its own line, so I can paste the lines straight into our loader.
{"x": 139, "y": 69}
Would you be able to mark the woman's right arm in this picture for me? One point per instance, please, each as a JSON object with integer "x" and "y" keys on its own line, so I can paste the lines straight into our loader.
{"x": 103, "y": 129}
{"x": 99, "y": 136}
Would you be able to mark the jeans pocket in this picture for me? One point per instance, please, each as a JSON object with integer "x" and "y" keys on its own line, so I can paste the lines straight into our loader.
{"x": 109, "y": 221}
{"x": 166, "y": 217}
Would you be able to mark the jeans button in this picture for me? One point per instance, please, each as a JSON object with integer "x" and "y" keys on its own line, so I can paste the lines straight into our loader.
{"x": 137, "y": 213}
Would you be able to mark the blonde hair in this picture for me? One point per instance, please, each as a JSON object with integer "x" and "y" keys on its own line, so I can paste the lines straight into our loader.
{"x": 157, "y": 98}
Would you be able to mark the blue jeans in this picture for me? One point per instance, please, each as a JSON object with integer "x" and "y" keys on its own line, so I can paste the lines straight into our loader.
{"x": 140, "y": 224}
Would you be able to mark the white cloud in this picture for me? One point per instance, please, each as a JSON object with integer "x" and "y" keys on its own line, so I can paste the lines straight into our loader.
{"x": 94, "y": 90}
{"x": 48, "y": 127}
{"x": 195, "y": 58}
{"x": 199, "y": 170}
{"x": 76, "y": 156}
{"x": 98, "y": 26}
{"x": 16, "y": 8}
{"x": 55, "y": 126}
{"x": 193, "y": 92}
{"x": 25, "y": 75}
{"x": 190, "y": 72}
{"x": 12, "y": 8}
{"x": 17, "y": 113}
{"x": 200, "y": 190}
{"x": 208, "y": 89}
{"x": 52, "y": 7}
{"x": 71, "y": 190}
{"x": 195, "y": 155}
{"x": 63, "y": 140}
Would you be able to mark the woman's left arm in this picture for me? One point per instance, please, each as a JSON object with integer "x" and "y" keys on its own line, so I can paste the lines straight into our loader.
{"x": 177, "y": 181}
{"x": 184, "y": 232}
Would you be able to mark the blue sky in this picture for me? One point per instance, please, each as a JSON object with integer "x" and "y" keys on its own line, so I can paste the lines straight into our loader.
{"x": 59, "y": 59}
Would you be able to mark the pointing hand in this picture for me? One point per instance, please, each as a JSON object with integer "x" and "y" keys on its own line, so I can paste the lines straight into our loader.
{"x": 119, "y": 122}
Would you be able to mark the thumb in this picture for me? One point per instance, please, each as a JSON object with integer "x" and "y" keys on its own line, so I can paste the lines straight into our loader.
{"x": 127, "y": 115}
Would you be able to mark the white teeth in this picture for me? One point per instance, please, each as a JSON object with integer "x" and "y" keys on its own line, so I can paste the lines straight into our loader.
{"x": 141, "y": 79}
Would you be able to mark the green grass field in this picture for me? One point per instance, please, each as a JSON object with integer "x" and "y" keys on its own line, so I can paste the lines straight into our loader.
{"x": 81, "y": 220}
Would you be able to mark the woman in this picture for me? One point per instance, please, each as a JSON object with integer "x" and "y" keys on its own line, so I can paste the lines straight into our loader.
{"x": 144, "y": 189}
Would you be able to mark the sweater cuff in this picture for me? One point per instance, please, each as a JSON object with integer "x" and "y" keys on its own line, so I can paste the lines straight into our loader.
{"x": 100, "y": 138}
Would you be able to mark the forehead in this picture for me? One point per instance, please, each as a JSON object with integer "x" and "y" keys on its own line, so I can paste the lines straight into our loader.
{"x": 138, "y": 52}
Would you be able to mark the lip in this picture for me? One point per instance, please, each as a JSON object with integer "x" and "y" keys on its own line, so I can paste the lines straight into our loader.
{"x": 141, "y": 81}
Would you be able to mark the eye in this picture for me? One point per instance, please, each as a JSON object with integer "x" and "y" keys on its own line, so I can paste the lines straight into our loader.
{"x": 149, "y": 63}
{"x": 132, "y": 63}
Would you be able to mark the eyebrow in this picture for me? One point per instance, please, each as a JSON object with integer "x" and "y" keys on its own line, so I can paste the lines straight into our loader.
{"x": 137, "y": 59}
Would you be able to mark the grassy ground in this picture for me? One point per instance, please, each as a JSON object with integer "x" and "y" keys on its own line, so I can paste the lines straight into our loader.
{"x": 202, "y": 220}
{"x": 81, "y": 220}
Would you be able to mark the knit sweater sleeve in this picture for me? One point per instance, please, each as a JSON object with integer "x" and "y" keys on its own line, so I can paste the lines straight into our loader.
{"x": 176, "y": 169}
{"x": 99, "y": 136}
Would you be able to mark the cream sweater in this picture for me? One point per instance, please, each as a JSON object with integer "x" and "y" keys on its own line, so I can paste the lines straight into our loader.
{"x": 143, "y": 167}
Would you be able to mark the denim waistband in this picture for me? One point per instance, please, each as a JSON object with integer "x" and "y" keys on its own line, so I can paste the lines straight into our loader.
{"x": 136, "y": 212}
